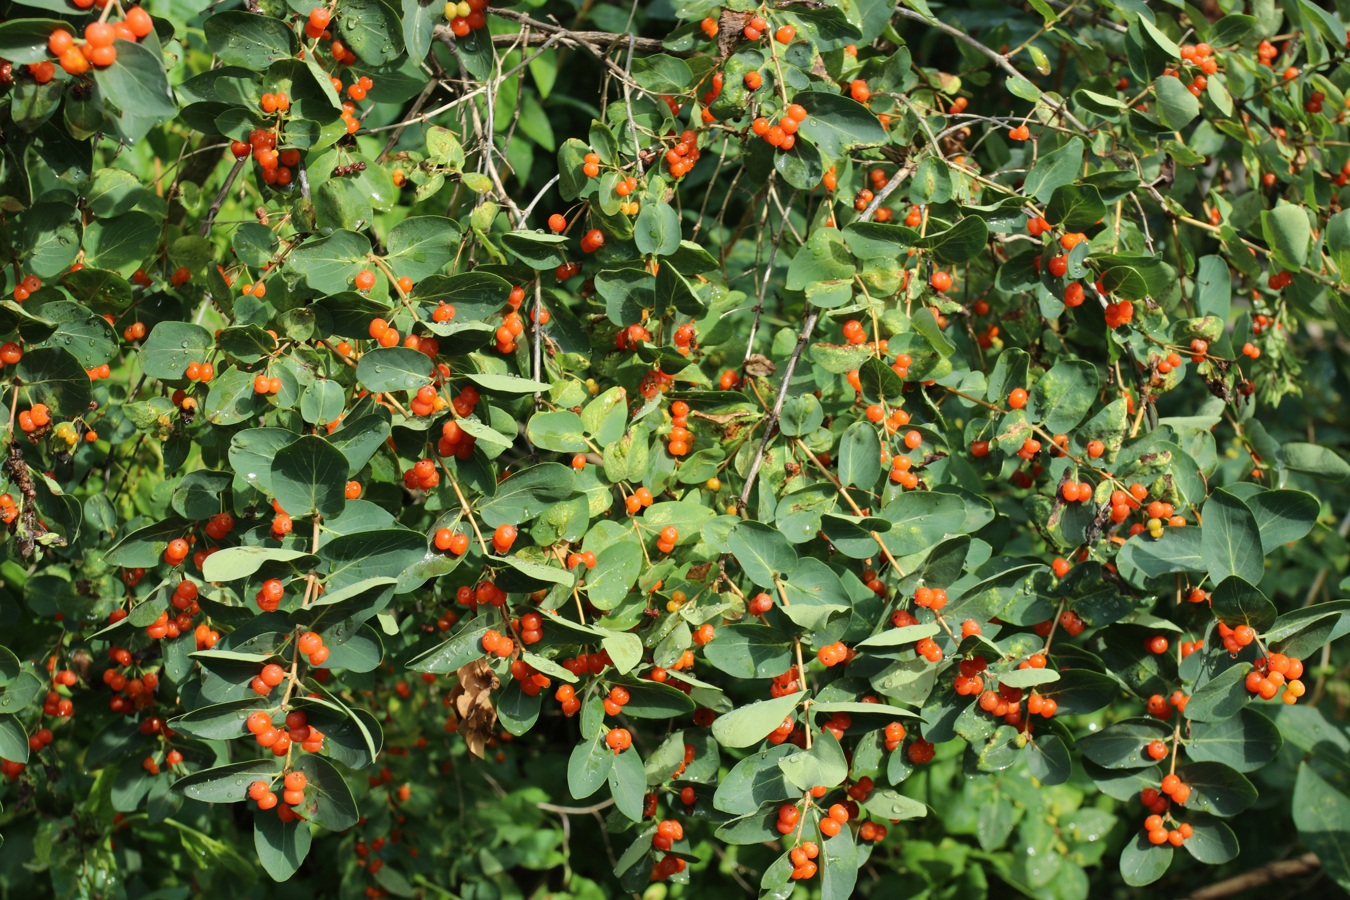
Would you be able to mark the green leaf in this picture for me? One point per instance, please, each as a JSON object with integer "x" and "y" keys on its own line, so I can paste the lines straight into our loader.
{"x": 1141, "y": 863}
{"x": 1178, "y": 550}
{"x": 763, "y": 552}
{"x": 1121, "y": 746}
{"x": 838, "y": 866}
{"x": 310, "y": 475}
{"x": 53, "y": 376}
{"x": 746, "y": 650}
{"x": 673, "y": 289}
{"x": 282, "y": 846}
{"x": 859, "y": 456}
{"x": 144, "y": 547}
{"x": 836, "y": 124}
{"x": 1064, "y": 394}
{"x": 1245, "y": 742}
{"x": 961, "y": 243}
{"x": 330, "y": 264}
{"x": 24, "y": 41}
{"x": 13, "y": 740}
{"x": 527, "y": 493}
{"x": 245, "y": 39}
{"x": 420, "y": 246}
{"x": 1313, "y": 459}
{"x": 1025, "y": 678}
{"x": 560, "y": 431}
{"x": 1216, "y": 788}
{"x": 50, "y": 238}
{"x": 1135, "y": 277}
{"x": 1288, "y": 233}
{"x": 371, "y": 29}
{"x": 226, "y": 784}
{"x": 328, "y": 800}
{"x": 1237, "y": 602}
{"x": 1322, "y": 816}
{"x": 1302, "y": 631}
{"x": 494, "y": 383}
{"x": 657, "y": 229}
{"x": 394, "y": 369}
{"x": 1214, "y": 287}
{"x": 137, "y": 87}
{"x": 1231, "y": 539}
{"x": 122, "y": 243}
{"x": 217, "y": 722}
{"x": 1231, "y": 29}
{"x": 824, "y": 764}
{"x": 616, "y": 571}
{"x": 536, "y": 249}
{"x": 751, "y": 723}
{"x": 823, "y": 261}
{"x": 628, "y": 783}
{"x": 1211, "y": 841}
{"x": 921, "y": 519}
{"x": 1283, "y": 516}
{"x": 754, "y": 780}
{"x": 1220, "y": 698}
{"x": 462, "y": 648}
{"x": 889, "y": 804}
{"x": 1075, "y": 207}
{"x": 171, "y": 346}
{"x": 1058, "y": 167}
{"x": 590, "y": 765}
{"x": 1176, "y": 105}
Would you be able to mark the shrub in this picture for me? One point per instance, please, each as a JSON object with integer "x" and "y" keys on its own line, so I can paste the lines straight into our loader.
{"x": 598, "y": 448}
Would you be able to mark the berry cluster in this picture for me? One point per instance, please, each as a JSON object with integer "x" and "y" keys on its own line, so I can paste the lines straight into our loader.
{"x": 1271, "y": 673}
{"x": 455, "y": 441}
{"x": 968, "y": 680}
{"x": 203, "y": 372}
{"x": 293, "y": 791}
{"x": 684, "y": 153}
{"x": 1161, "y": 707}
{"x": 567, "y": 696}
{"x": 37, "y": 417}
{"x": 423, "y": 475}
{"x": 616, "y": 700}
{"x": 485, "y": 593}
{"x": 27, "y": 287}
{"x": 929, "y": 650}
{"x": 466, "y": 16}
{"x": 97, "y": 47}
{"x": 503, "y": 538}
{"x": 531, "y": 680}
{"x": 638, "y": 500}
{"x": 453, "y": 542}
{"x": 1234, "y": 639}
{"x": 497, "y": 643}
{"x": 783, "y": 133}
{"x": 348, "y": 169}
{"x": 618, "y": 740}
{"x": 833, "y": 654}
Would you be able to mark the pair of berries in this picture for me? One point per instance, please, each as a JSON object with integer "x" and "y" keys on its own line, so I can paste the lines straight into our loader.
{"x": 833, "y": 654}
{"x": 293, "y": 793}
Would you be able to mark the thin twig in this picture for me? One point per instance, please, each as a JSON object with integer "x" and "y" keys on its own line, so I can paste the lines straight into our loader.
{"x": 1280, "y": 870}
{"x": 220, "y": 197}
{"x": 771, "y": 426}
{"x": 1060, "y": 108}
{"x": 764, "y": 282}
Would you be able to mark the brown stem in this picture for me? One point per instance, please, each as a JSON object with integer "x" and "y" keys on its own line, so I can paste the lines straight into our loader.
{"x": 1279, "y": 870}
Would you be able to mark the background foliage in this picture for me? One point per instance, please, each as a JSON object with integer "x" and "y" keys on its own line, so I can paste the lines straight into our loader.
{"x": 434, "y": 400}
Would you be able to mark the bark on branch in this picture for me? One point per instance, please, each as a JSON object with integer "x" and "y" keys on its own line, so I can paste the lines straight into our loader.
{"x": 1276, "y": 871}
